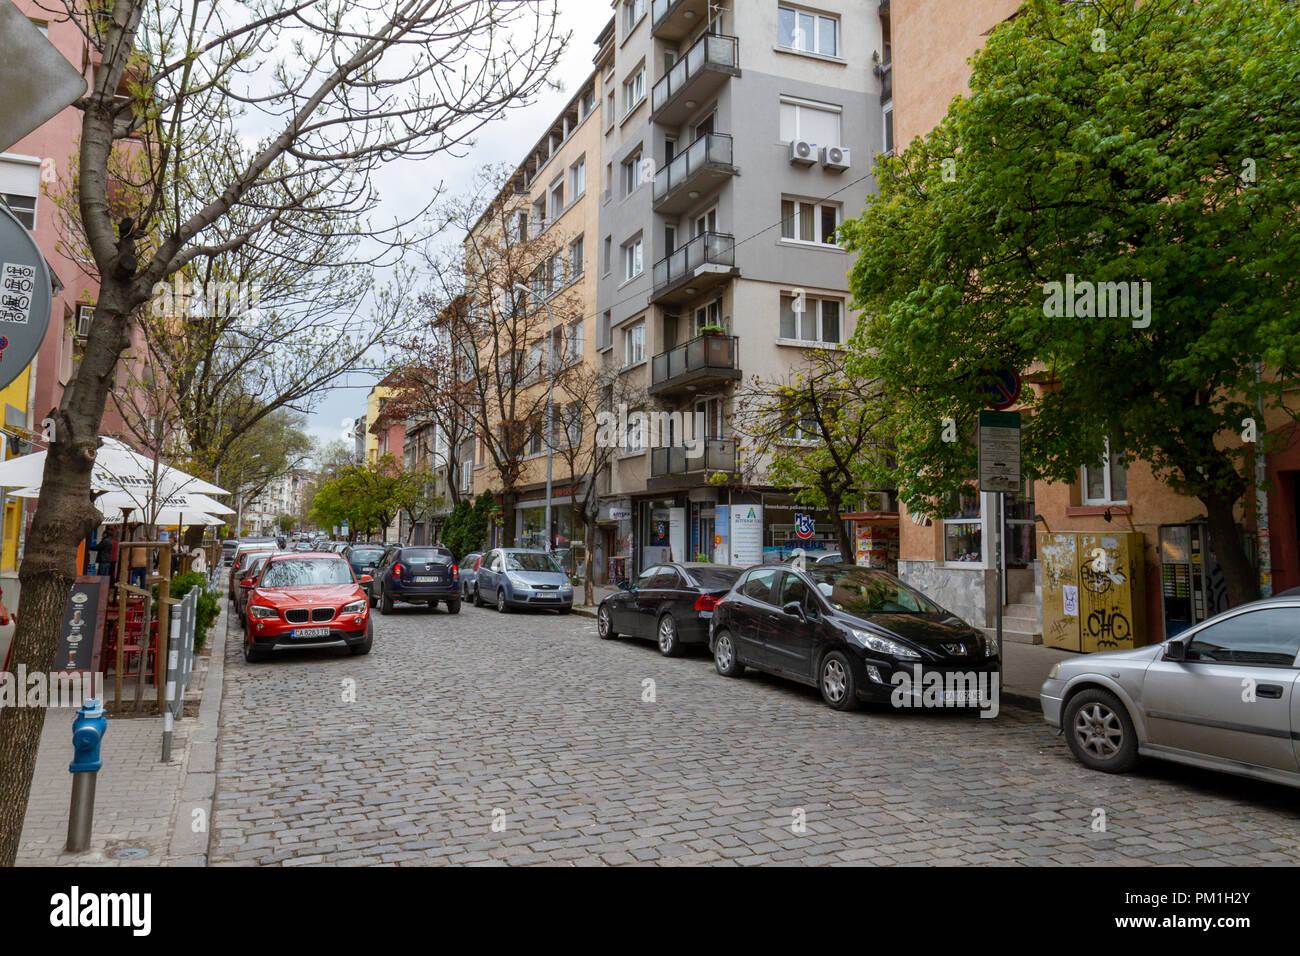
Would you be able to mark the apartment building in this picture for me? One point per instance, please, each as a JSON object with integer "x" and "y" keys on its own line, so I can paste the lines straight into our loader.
{"x": 735, "y": 138}
{"x": 539, "y": 233}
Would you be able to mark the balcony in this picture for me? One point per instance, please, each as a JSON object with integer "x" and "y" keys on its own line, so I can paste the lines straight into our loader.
{"x": 688, "y": 467}
{"x": 706, "y": 361}
{"x": 675, "y": 19}
{"x": 706, "y": 66}
{"x": 705, "y": 263}
{"x": 700, "y": 168}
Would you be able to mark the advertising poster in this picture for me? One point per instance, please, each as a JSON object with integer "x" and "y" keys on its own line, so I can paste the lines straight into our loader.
{"x": 721, "y": 535}
{"x": 746, "y": 535}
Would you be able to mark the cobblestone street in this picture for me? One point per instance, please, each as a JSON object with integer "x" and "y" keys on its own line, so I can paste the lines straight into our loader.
{"x": 523, "y": 738}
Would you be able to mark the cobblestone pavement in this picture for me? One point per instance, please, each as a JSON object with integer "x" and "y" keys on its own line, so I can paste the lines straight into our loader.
{"x": 523, "y": 738}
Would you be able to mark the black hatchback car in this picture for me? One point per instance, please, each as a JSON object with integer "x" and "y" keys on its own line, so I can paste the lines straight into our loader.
{"x": 364, "y": 559}
{"x": 670, "y": 602}
{"x": 849, "y": 631}
{"x": 418, "y": 574}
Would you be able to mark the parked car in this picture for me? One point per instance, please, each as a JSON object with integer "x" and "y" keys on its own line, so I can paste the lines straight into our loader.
{"x": 228, "y": 550}
{"x": 307, "y": 601}
{"x": 673, "y": 603}
{"x": 248, "y": 577}
{"x": 468, "y": 574}
{"x": 243, "y": 557}
{"x": 1219, "y": 695}
{"x": 518, "y": 577}
{"x": 423, "y": 574}
{"x": 364, "y": 559}
{"x": 845, "y": 630}
{"x": 302, "y": 546}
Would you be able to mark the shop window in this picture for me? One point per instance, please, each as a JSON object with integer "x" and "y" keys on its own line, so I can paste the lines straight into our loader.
{"x": 963, "y": 531}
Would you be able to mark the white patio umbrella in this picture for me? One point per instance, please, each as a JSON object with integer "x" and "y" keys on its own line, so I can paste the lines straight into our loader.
{"x": 117, "y": 468}
{"x": 122, "y": 501}
{"x": 166, "y": 518}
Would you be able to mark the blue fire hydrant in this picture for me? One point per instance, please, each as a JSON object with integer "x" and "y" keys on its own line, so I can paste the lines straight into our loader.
{"x": 88, "y": 729}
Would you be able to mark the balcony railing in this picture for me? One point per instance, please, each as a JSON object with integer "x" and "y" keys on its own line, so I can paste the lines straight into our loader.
{"x": 709, "y": 248}
{"x": 709, "y": 52}
{"x": 706, "y": 357}
{"x": 712, "y": 150}
{"x": 718, "y": 454}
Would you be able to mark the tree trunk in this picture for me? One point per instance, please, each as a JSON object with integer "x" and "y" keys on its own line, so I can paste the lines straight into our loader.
{"x": 508, "y": 518}
{"x": 1240, "y": 578}
{"x": 589, "y": 566}
{"x": 64, "y": 516}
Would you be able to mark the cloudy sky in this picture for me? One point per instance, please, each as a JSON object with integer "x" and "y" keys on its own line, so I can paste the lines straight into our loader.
{"x": 406, "y": 185}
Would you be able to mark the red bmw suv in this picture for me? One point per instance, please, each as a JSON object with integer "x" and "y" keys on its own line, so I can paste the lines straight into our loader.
{"x": 305, "y": 601}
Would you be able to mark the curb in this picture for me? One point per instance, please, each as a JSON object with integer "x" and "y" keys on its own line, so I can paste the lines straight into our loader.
{"x": 192, "y": 824}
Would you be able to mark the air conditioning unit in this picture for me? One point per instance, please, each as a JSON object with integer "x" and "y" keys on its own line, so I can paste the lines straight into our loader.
{"x": 836, "y": 158}
{"x": 803, "y": 152}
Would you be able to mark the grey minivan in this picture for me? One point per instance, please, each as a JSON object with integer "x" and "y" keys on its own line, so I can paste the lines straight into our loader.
{"x": 518, "y": 577}
{"x": 1220, "y": 695}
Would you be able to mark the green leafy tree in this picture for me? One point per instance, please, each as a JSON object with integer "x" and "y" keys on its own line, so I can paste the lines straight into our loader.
{"x": 1123, "y": 142}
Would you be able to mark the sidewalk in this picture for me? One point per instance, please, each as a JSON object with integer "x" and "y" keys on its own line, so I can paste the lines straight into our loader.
{"x": 1024, "y": 666}
{"x": 144, "y": 808}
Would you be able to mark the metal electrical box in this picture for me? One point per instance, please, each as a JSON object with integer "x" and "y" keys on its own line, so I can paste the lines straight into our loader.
{"x": 1093, "y": 590}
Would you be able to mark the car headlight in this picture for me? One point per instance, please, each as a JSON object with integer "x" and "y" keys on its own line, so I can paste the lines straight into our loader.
{"x": 258, "y": 611}
{"x": 1055, "y": 671}
{"x": 356, "y": 607}
{"x": 518, "y": 582}
{"x": 990, "y": 646}
{"x": 883, "y": 645}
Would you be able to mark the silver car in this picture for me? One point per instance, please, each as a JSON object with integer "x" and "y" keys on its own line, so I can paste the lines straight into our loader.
{"x": 520, "y": 577}
{"x": 1220, "y": 695}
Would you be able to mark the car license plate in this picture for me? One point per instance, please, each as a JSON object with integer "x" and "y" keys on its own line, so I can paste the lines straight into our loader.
{"x": 310, "y": 632}
{"x": 427, "y": 579}
{"x": 959, "y": 697}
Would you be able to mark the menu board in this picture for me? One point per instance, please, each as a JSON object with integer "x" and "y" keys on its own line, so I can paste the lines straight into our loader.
{"x": 81, "y": 636}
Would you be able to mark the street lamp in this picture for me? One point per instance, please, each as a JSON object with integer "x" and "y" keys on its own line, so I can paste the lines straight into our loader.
{"x": 550, "y": 395}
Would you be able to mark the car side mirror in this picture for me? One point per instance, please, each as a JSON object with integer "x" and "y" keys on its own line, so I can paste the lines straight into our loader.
{"x": 795, "y": 609}
{"x": 246, "y": 583}
{"x": 1176, "y": 651}
{"x": 365, "y": 579}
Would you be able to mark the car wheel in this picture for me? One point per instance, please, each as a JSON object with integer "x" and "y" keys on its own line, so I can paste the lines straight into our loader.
{"x": 386, "y": 603}
{"x": 725, "y": 660}
{"x": 251, "y": 654}
{"x": 669, "y": 644}
{"x": 502, "y": 606}
{"x": 453, "y": 606}
{"x": 478, "y": 598}
{"x": 364, "y": 646}
{"x": 1100, "y": 732}
{"x": 605, "y": 624}
{"x": 838, "y": 687}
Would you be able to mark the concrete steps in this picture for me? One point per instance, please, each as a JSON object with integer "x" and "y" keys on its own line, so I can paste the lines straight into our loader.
{"x": 1019, "y": 621}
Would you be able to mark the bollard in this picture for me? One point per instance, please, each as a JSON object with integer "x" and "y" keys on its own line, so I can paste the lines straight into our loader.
{"x": 88, "y": 729}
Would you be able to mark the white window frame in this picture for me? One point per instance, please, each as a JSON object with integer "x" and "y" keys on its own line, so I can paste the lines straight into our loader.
{"x": 800, "y": 105}
{"x": 555, "y": 208}
{"x": 578, "y": 179}
{"x": 577, "y": 253}
{"x": 632, "y": 172}
{"x": 634, "y": 344}
{"x": 708, "y": 310}
{"x": 1107, "y": 465}
{"x": 634, "y": 90}
{"x": 818, "y": 207}
{"x": 818, "y": 19}
{"x": 814, "y": 303}
{"x": 633, "y": 259}
{"x": 633, "y": 14}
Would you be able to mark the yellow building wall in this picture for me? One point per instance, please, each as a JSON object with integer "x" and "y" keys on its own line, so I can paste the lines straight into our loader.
{"x": 15, "y": 394}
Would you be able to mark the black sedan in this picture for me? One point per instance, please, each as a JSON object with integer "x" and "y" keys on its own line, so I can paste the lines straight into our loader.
{"x": 855, "y": 633}
{"x": 670, "y": 602}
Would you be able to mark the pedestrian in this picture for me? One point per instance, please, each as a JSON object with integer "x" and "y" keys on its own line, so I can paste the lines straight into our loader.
{"x": 139, "y": 560}
{"x": 106, "y": 555}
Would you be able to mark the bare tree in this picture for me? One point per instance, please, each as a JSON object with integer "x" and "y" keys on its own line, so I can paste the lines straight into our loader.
{"x": 324, "y": 91}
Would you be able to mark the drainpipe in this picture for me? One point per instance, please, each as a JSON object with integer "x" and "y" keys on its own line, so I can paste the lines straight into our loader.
{"x": 1261, "y": 496}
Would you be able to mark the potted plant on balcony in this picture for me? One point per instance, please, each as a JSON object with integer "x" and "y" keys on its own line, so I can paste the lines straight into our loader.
{"x": 712, "y": 330}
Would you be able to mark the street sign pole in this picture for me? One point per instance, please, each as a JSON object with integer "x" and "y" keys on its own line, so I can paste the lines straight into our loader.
{"x": 999, "y": 473}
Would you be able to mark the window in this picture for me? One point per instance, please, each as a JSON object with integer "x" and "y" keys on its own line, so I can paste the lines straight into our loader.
{"x": 708, "y": 315}
{"x": 634, "y": 344}
{"x": 612, "y": 111}
{"x": 19, "y": 187}
{"x": 609, "y": 180}
{"x": 573, "y": 424}
{"x": 635, "y": 438}
{"x": 576, "y": 266}
{"x": 632, "y": 264}
{"x": 604, "y": 337}
{"x": 573, "y": 342}
{"x": 632, "y": 173}
{"x": 85, "y": 314}
{"x": 759, "y": 585}
{"x": 817, "y": 321}
{"x": 588, "y": 103}
{"x": 634, "y": 90}
{"x": 1268, "y": 637}
{"x": 539, "y": 217}
{"x": 792, "y": 589}
{"x": 889, "y": 129}
{"x": 963, "y": 531}
{"x": 808, "y": 32}
{"x": 633, "y": 11}
{"x": 609, "y": 254}
{"x": 803, "y": 221}
{"x": 557, "y": 199}
{"x": 804, "y": 428}
{"x": 578, "y": 178}
{"x": 535, "y": 440}
{"x": 817, "y": 123}
{"x": 1107, "y": 482}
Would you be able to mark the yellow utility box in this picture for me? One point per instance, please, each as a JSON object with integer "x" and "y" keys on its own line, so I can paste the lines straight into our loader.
{"x": 1093, "y": 590}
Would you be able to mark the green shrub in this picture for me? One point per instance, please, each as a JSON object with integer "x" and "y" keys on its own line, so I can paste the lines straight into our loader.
{"x": 208, "y": 609}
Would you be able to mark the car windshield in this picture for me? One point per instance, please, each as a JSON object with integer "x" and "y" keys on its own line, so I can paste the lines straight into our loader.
{"x": 530, "y": 561}
{"x": 299, "y": 572}
{"x": 366, "y": 555}
{"x": 715, "y": 579}
{"x": 425, "y": 556}
{"x": 863, "y": 591}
